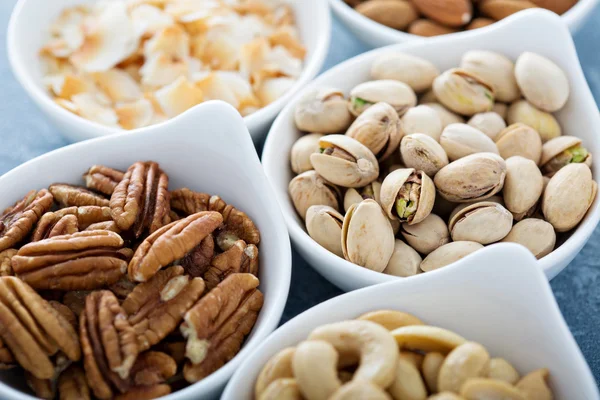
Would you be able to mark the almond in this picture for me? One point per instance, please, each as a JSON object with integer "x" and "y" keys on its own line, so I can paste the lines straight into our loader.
{"x": 479, "y": 23}
{"x": 558, "y": 6}
{"x": 397, "y": 14}
{"x": 498, "y": 9}
{"x": 447, "y": 12}
{"x": 426, "y": 27}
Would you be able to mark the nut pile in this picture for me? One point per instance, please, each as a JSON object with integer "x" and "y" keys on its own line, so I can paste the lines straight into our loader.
{"x": 440, "y": 17}
{"x": 133, "y": 63}
{"x": 393, "y": 355}
{"x": 123, "y": 289}
{"x": 480, "y": 159}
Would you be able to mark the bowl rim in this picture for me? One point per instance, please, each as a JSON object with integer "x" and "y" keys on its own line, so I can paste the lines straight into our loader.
{"x": 365, "y": 276}
{"x": 91, "y": 129}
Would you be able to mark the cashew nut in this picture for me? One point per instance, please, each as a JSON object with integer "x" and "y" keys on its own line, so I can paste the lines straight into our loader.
{"x": 391, "y": 319}
{"x": 502, "y": 370}
{"x": 415, "y": 358}
{"x": 535, "y": 385}
{"x": 445, "y": 396}
{"x": 373, "y": 344}
{"x": 431, "y": 368}
{"x": 315, "y": 369}
{"x": 282, "y": 389}
{"x": 408, "y": 384}
{"x": 279, "y": 366}
{"x": 490, "y": 389}
{"x": 359, "y": 390}
{"x": 469, "y": 360}
{"x": 427, "y": 338}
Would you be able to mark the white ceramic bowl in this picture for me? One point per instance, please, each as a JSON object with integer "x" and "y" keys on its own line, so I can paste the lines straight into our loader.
{"x": 217, "y": 159}
{"x": 377, "y": 35}
{"x": 28, "y": 32}
{"x": 537, "y": 30}
{"x": 499, "y": 299}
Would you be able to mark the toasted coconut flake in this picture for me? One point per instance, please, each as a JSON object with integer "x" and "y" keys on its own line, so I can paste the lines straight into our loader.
{"x": 273, "y": 88}
{"x": 162, "y": 70}
{"x": 287, "y": 37}
{"x": 172, "y": 41}
{"x": 118, "y": 85}
{"x": 229, "y": 87}
{"x": 178, "y": 97}
{"x": 67, "y": 105}
{"x": 135, "y": 115}
{"x": 67, "y": 86}
{"x": 91, "y": 108}
{"x": 148, "y": 20}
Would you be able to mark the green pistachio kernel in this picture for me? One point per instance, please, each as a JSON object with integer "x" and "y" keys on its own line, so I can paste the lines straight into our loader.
{"x": 360, "y": 103}
{"x": 578, "y": 154}
{"x": 404, "y": 208}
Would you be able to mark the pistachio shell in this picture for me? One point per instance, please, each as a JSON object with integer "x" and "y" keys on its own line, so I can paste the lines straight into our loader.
{"x": 404, "y": 262}
{"x": 323, "y": 110}
{"x": 485, "y": 222}
{"x": 446, "y": 116}
{"x": 427, "y": 235}
{"x": 310, "y": 189}
{"x": 544, "y": 123}
{"x": 474, "y": 177}
{"x": 324, "y": 225}
{"x": 500, "y": 109}
{"x": 490, "y": 123}
{"x": 379, "y": 129}
{"x": 461, "y": 140}
{"x": 555, "y": 154}
{"x": 463, "y": 92}
{"x": 397, "y": 94}
{"x": 535, "y": 234}
{"x": 543, "y": 83}
{"x": 355, "y": 166}
{"x": 459, "y": 207}
{"x": 422, "y": 152}
{"x": 422, "y": 119}
{"x": 520, "y": 140}
{"x": 448, "y": 254}
{"x": 416, "y": 72}
{"x": 367, "y": 236}
{"x": 301, "y": 151}
{"x": 523, "y": 185}
{"x": 354, "y": 196}
{"x": 494, "y": 68}
{"x": 395, "y": 185}
{"x": 568, "y": 196}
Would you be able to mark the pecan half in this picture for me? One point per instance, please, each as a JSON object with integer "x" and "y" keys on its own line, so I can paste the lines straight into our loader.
{"x": 7, "y": 361}
{"x": 189, "y": 202}
{"x": 102, "y": 179}
{"x": 239, "y": 258}
{"x": 141, "y": 200}
{"x": 63, "y": 226}
{"x": 108, "y": 342}
{"x": 171, "y": 242}
{"x": 43, "y": 388}
{"x": 122, "y": 288}
{"x": 155, "y": 308}
{"x": 75, "y": 300}
{"x": 32, "y": 329}
{"x": 149, "y": 373}
{"x": 70, "y": 195}
{"x": 218, "y": 323}
{"x": 237, "y": 224}
{"x": 145, "y": 392}
{"x": 5, "y": 262}
{"x": 85, "y": 216}
{"x": 104, "y": 226}
{"x": 72, "y": 384}
{"x": 197, "y": 261}
{"x": 66, "y": 313}
{"x": 176, "y": 350}
{"x": 80, "y": 261}
{"x": 17, "y": 221}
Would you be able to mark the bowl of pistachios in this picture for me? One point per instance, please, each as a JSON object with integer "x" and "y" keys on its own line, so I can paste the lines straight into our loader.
{"x": 406, "y": 159}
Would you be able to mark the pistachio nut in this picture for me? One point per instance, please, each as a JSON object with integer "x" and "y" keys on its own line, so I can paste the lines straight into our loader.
{"x": 484, "y": 222}
{"x": 523, "y": 186}
{"x": 543, "y": 122}
{"x": 379, "y": 129}
{"x": 543, "y": 83}
{"x": 407, "y": 195}
{"x": 562, "y": 151}
{"x": 446, "y": 116}
{"x": 404, "y": 262}
{"x": 310, "y": 189}
{"x": 416, "y": 72}
{"x": 448, "y": 254}
{"x": 500, "y": 109}
{"x": 496, "y": 69}
{"x": 324, "y": 225}
{"x": 463, "y": 92}
{"x": 568, "y": 196}
{"x": 423, "y": 153}
{"x": 367, "y": 236}
{"x": 459, "y": 207}
{"x": 427, "y": 235}
{"x": 301, "y": 151}
{"x": 461, "y": 140}
{"x": 428, "y": 97}
{"x": 422, "y": 119}
{"x": 520, "y": 140}
{"x": 323, "y": 110}
{"x": 354, "y": 196}
{"x": 490, "y": 123}
{"x": 535, "y": 234}
{"x": 397, "y": 94}
{"x": 345, "y": 161}
{"x": 474, "y": 177}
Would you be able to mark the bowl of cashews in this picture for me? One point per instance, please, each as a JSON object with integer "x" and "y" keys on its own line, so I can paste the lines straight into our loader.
{"x": 474, "y": 333}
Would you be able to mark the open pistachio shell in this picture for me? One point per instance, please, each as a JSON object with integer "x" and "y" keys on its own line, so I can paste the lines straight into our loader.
{"x": 463, "y": 92}
{"x": 543, "y": 122}
{"x": 535, "y": 234}
{"x": 490, "y": 123}
{"x": 407, "y": 195}
{"x": 323, "y": 110}
{"x": 301, "y": 151}
{"x": 523, "y": 185}
{"x": 496, "y": 69}
{"x": 345, "y": 161}
{"x": 561, "y": 151}
{"x": 422, "y": 119}
{"x": 446, "y": 116}
{"x": 423, "y": 153}
{"x": 461, "y": 140}
{"x": 461, "y": 206}
{"x": 568, "y": 196}
{"x": 397, "y": 94}
{"x": 427, "y": 235}
{"x": 404, "y": 262}
{"x": 324, "y": 225}
{"x": 310, "y": 189}
{"x": 416, "y": 72}
{"x": 379, "y": 129}
{"x": 356, "y": 195}
{"x": 485, "y": 222}
{"x": 474, "y": 177}
{"x": 543, "y": 83}
{"x": 367, "y": 236}
{"x": 448, "y": 254}
{"x": 520, "y": 140}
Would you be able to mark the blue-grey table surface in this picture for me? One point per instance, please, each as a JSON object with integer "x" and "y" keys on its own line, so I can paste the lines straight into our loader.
{"x": 25, "y": 134}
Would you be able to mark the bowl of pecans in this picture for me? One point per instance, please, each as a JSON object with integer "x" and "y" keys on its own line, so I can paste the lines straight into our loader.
{"x": 139, "y": 265}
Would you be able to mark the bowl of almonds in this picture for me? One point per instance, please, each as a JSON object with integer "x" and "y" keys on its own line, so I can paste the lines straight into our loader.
{"x": 475, "y": 333}
{"x": 139, "y": 265}
{"x": 405, "y": 159}
{"x": 383, "y": 22}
